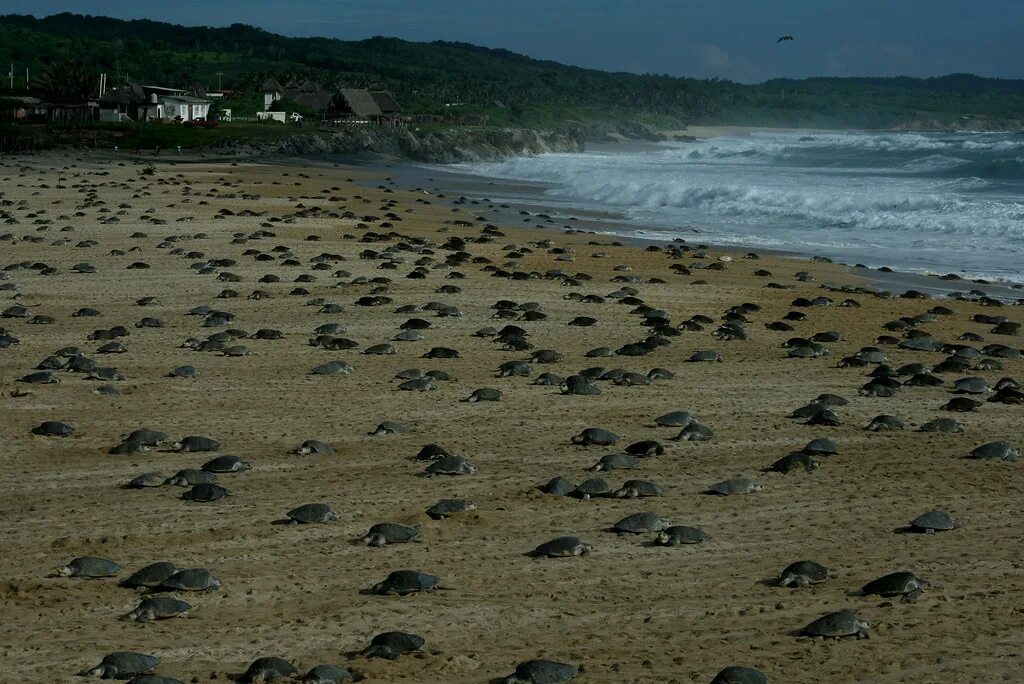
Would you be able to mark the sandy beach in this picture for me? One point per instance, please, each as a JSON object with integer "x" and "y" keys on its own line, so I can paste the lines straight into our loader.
{"x": 629, "y": 611}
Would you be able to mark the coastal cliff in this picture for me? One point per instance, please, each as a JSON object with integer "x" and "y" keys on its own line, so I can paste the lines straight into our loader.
{"x": 437, "y": 147}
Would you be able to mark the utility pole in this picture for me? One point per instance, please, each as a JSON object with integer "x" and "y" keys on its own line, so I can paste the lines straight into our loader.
{"x": 26, "y": 78}
{"x": 11, "y": 75}
{"x": 220, "y": 85}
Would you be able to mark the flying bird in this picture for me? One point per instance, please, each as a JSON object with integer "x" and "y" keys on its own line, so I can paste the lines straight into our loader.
{"x": 784, "y": 38}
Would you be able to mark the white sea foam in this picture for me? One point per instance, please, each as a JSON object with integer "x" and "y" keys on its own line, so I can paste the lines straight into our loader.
{"x": 945, "y": 202}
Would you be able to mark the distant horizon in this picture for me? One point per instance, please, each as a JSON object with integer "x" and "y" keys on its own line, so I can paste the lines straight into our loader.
{"x": 733, "y": 41}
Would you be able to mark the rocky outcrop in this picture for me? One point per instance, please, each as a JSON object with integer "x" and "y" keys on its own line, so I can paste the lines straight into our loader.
{"x": 437, "y": 147}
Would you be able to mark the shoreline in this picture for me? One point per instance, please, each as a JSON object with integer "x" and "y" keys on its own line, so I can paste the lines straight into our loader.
{"x": 598, "y": 221}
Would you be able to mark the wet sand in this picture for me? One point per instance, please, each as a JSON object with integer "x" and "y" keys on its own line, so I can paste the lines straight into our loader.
{"x": 628, "y": 612}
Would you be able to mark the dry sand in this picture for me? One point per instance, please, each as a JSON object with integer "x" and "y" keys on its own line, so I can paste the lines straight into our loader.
{"x": 629, "y": 612}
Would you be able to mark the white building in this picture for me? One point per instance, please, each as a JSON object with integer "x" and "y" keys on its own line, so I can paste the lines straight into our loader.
{"x": 185, "y": 107}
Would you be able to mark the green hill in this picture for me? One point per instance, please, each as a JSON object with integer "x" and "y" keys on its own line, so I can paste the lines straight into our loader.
{"x": 508, "y": 88}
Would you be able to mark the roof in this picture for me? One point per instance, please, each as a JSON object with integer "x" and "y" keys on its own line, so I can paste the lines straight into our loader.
{"x": 385, "y": 102}
{"x": 355, "y": 102}
{"x": 187, "y": 99}
{"x": 271, "y": 86}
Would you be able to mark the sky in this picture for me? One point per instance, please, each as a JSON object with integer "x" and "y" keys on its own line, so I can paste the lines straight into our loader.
{"x": 732, "y": 39}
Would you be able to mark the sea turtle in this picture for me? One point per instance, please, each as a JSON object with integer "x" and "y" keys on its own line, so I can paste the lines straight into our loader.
{"x": 158, "y": 608}
{"x": 107, "y": 391}
{"x": 640, "y": 522}
{"x": 314, "y": 446}
{"x": 183, "y": 372}
{"x": 740, "y": 675}
{"x": 391, "y": 645}
{"x": 705, "y": 355}
{"x": 53, "y": 428}
{"x": 821, "y": 445}
{"x": 190, "y": 579}
{"x": 579, "y": 385}
{"x": 549, "y": 380}
{"x": 408, "y": 336}
{"x": 695, "y": 432}
{"x": 961, "y": 405}
{"x": 88, "y": 567}
{"x": 736, "y": 485}
{"x": 40, "y": 378}
{"x": 441, "y": 353}
{"x": 328, "y": 674}
{"x": 970, "y": 386}
{"x": 995, "y": 450}
{"x": 196, "y": 443}
{"x": 562, "y": 547}
{"x": 404, "y": 582}
{"x": 674, "y": 419}
{"x": 268, "y": 669}
{"x": 595, "y": 486}
{"x": 883, "y": 423}
{"x": 632, "y": 489}
{"x": 153, "y": 679}
{"x": 418, "y": 385}
{"x": 947, "y": 425}
{"x": 932, "y": 521}
{"x": 431, "y": 452}
{"x": 645, "y": 448}
{"x": 616, "y": 462}
{"x": 187, "y": 477}
{"x": 836, "y": 625}
{"x": 147, "y": 437}
{"x": 332, "y": 368}
{"x": 514, "y": 368}
{"x": 226, "y": 464}
{"x": 390, "y": 427}
{"x": 597, "y": 436}
{"x": 150, "y": 576}
{"x": 825, "y": 416}
{"x": 447, "y": 507}
{"x": 542, "y": 672}
{"x": 680, "y": 534}
{"x": 122, "y": 665}
{"x": 558, "y": 486}
{"x": 905, "y": 584}
{"x": 802, "y": 573}
{"x": 792, "y": 461}
{"x": 150, "y": 479}
{"x": 390, "y": 533}
{"x": 484, "y": 394}
{"x": 450, "y": 465}
{"x": 205, "y": 493}
{"x": 312, "y": 513}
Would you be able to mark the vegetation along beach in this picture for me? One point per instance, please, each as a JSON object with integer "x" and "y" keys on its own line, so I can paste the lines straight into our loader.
{"x": 674, "y": 387}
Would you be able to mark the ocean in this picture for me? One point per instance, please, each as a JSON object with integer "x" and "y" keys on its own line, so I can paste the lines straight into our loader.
{"x": 918, "y": 202}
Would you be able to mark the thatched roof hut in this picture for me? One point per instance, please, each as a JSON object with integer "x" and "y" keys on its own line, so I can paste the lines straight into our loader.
{"x": 385, "y": 103}
{"x": 353, "y": 102}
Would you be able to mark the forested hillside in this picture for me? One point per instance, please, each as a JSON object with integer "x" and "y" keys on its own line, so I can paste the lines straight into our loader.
{"x": 66, "y": 53}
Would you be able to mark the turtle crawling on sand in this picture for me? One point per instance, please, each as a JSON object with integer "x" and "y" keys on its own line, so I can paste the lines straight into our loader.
{"x": 405, "y": 582}
{"x": 312, "y": 513}
{"x": 390, "y": 533}
{"x": 740, "y": 675}
{"x": 905, "y": 584}
{"x": 562, "y": 547}
{"x": 803, "y": 573}
{"x": 391, "y": 645}
{"x": 122, "y": 665}
{"x": 88, "y": 567}
{"x": 542, "y": 672}
{"x": 158, "y": 608}
{"x": 836, "y": 625}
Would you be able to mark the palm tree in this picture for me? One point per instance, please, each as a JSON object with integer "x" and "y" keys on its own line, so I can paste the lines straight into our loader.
{"x": 67, "y": 82}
